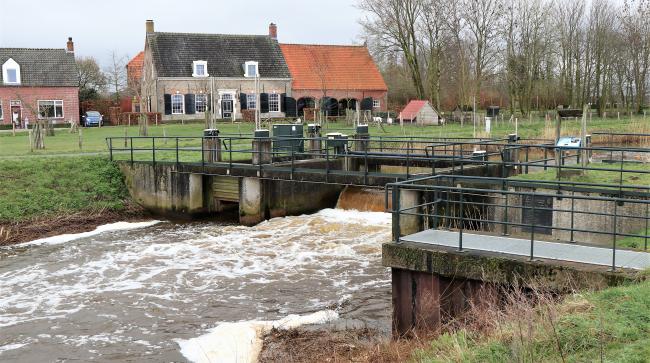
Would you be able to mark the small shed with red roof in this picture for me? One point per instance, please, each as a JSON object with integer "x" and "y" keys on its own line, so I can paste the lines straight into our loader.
{"x": 419, "y": 112}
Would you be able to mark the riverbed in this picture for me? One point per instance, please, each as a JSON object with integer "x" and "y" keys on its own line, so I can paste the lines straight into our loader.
{"x": 135, "y": 293}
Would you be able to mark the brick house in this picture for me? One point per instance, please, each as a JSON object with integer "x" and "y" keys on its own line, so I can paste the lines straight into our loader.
{"x": 185, "y": 74}
{"x": 38, "y": 83}
{"x": 335, "y": 77}
{"x": 133, "y": 80}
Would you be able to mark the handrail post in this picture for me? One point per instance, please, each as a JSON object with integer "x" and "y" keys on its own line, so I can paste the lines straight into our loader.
{"x": 573, "y": 199}
{"x": 153, "y": 150}
{"x": 396, "y": 214}
{"x": 504, "y": 229}
{"x": 365, "y": 157}
{"x": 408, "y": 161}
{"x": 131, "y": 142}
{"x": 646, "y": 228}
{"x": 532, "y": 230}
{"x": 230, "y": 153}
{"x": 614, "y": 227}
{"x": 202, "y": 151}
{"x": 177, "y": 156}
{"x": 462, "y": 220}
{"x": 327, "y": 163}
{"x": 292, "y": 161}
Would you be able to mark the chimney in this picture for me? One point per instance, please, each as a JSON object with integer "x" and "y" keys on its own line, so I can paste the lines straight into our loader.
{"x": 273, "y": 31}
{"x": 149, "y": 26}
{"x": 70, "y": 45}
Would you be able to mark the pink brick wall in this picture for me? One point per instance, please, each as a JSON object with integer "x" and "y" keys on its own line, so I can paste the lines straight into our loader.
{"x": 29, "y": 97}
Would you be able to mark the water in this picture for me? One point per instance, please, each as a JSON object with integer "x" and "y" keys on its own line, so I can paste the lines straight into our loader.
{"x": 133, "y": 294}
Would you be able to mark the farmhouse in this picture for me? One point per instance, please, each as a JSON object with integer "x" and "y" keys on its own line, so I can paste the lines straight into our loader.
{"x": 335, "y": 77}
{"x": 38, "y": 83}
{"x": 419, "y": 112}
{"x": 184, "y": 75}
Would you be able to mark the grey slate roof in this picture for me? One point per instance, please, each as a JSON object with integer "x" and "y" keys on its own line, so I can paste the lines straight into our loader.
{"x": 173, "y": 54}
{"x": 43, "y": 67}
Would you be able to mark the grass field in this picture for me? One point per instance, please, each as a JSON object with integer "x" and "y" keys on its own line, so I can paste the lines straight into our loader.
{"x": 42, "y": 187}
{"x": 94, "y": 139}
{"x": 612, "y": 325}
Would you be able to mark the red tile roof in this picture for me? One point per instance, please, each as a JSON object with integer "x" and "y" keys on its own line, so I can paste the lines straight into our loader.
{"x": 411, "y": 110}
{"x": 134, "y": 67}
{"x": 332, "y": 67}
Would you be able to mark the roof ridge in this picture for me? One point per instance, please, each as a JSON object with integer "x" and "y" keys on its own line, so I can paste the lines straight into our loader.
{"x": 327, "y": 45}
{"x": 213, "y": 34}
{"x": 19, "y": 48}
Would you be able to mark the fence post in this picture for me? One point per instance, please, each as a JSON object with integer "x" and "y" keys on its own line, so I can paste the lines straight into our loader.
{"x": 153, "y": 150}
{"x": 230, "y": 154}
{"x": 545, "y": 158}
{"x": 131, "y": 144}
{"x": 177, "y": 157}
{"x": 110, "y": 147}
{"x": 532, "y": 230}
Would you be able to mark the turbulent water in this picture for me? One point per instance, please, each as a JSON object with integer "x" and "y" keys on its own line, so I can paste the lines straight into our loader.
{"x": 134, "y": 294}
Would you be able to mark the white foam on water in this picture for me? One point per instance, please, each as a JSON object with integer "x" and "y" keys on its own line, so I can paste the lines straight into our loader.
{"x": 112, "y": 227}
{"x": 175, "y": 274}
{"x": 242, "y": 342}
{"x": 4, "y": 348}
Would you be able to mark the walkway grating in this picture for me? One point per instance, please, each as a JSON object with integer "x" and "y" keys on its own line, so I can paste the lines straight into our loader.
{"x": 521, "y": 247}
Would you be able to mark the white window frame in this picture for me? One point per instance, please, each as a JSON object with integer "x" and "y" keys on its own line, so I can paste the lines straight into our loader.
{"x": 376, "y": 103}
{"x": 55, "y": 104}
{"x": 257, "y": 69}
{"x": 205, "y": 69}
{"x": 251, "y": 97}
{"x": 273, "y": 95}
{"x": 196, "y": 102}
{"x": 182, "y": 104}
{"x": 10, "y": 64}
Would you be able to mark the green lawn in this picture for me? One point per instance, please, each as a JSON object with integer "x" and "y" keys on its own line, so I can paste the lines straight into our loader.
{"x": 42, "y": 187}
{"x": 612, "y": 325}
{"x": 635, "y": 174}
{"x": 94, "y": 138}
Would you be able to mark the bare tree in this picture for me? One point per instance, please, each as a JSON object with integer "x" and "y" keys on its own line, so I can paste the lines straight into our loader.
{"x": 482, "y": 18}
{"x": 392, "y": 25}
{"x": 116, "y": 74}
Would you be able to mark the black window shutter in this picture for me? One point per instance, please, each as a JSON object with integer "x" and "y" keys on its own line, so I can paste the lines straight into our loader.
{"x": 243, "y": 101}
{"x": 290, "y": 107}
{"x": 366, "y": 104}
{"x": 264, "y": 103}
{"x": 190, "y": 106}
{"x": 209, "y": 101}
{"x": 283, "y": 98}
{"x": 168, "y": 104}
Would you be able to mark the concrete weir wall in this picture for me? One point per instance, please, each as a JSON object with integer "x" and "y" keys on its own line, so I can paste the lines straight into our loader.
{"x": 186, "y": 191}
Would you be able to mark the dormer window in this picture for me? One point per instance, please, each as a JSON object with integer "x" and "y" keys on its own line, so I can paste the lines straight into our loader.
{"x": 11, "y": 72}
{"x": 200, "y": 69}
{"x": 250, "y": 69}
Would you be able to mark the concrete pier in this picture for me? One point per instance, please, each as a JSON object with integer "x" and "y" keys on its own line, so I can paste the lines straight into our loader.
{"x": 432, "y": 284}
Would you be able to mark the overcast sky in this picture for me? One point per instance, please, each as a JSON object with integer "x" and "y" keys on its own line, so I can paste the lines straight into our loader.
{"x": 99, "y": 27}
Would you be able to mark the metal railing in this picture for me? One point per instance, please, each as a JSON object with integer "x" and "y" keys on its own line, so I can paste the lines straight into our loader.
{"x": 410, "y": 156}
{"x": 535, "y": 210}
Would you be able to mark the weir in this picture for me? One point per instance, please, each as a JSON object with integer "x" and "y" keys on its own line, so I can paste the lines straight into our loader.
{"x": 463, "y": 229}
